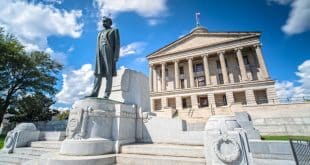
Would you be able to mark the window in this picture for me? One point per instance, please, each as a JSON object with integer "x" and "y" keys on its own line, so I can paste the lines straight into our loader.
{"x": 224, "y": 100}
{"x": 199, "y": 67}
{"x": 218, "y": 64}
{"x": 203, "y": 101}
{"x": 166, "y": 72}
{"x": 221, "y": 80}
{"x": 182, "y": 83}
{"x": 181, "y": 69}
{"x": 226, "y": 64}
{"x": 246, "y": 60}
{"x": 184, "y": 105}
{"x": 201, "y": 81}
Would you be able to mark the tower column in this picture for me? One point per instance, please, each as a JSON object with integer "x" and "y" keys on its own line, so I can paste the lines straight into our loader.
{"x": 223, "y": 66}
{"x": 163, "y": 76}
{"x": 191, "y": 73}
{"x": 241, "y": 64}
{"x": 261, "y": 61}
{"x": 151, "y": 77}
{"x": 206, "y": 69}
{"x": 176, "y": 74}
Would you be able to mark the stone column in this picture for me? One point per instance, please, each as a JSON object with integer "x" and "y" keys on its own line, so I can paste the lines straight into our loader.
{"x": 250, "y": 97}
{"x": 152, "y": 105}
{"x": 155, "y": 79}
{"x": 223, "y": 66}
{"x": 151, "y": 78}
{"x": 261, "y": 61}
{"x": 241, "y": 64}
{"x": 164, "y": 103}
{"x": 176, "y": 74}
{"x": 194, "y": 101}
{"x": 272, "y": 95}
{"x": 206, "y": 69}
{"x": 211, "y": 100}
{"x": 191, "y": 73}
{"x": 229, "y": 97}
{"x": 163, "y": 77}
{"x": 178, "y": 103}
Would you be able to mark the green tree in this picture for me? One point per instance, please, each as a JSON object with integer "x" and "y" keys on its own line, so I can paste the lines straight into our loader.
{"x": 63, "y": 115}
{"x": 32, "y": 108}
{"x": 23, "y": 73}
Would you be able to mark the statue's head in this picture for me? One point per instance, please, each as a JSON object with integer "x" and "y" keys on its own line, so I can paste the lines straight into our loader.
{"x": 106, "y": 22}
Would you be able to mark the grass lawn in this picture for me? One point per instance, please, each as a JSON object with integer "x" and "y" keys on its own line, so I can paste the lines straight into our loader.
{"x": 1, "y": 140}
{"x": 286, "y": 137}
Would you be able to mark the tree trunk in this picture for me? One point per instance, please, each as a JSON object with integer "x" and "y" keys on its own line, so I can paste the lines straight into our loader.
{"x": 2, "y": 112}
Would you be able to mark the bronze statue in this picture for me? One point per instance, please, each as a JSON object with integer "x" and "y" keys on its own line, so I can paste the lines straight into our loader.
{"x": 108, "y": 46}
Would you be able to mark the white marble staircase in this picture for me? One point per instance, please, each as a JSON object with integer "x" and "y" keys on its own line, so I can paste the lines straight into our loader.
{"x": 25, "y": 154}
{"x": 160, "y": 154}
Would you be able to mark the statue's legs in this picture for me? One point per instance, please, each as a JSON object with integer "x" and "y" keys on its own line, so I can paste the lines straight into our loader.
{"x": 97, "y": 84}
{"x": 109, "y": 75}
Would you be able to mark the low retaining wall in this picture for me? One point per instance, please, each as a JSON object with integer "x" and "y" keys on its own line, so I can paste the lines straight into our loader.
{"x": 280, "y": 119}
{"x": 271, "y": 152}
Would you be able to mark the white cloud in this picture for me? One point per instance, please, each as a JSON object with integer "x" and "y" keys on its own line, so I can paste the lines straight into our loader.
{"x": 71, "y": 49}
{"x": 32, "y": 23}
{"x": 287, "y": 89}
{"x": 298, "y": 20}
{"x": 304, "y": 74}
{"x": 133, "y": 48}
{"x": 145, "y": 8}
{"x": 76, "y": 84}
{"x": 281, "y": 2}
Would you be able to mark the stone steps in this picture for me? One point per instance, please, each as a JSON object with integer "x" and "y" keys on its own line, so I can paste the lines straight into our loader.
{"x": 33, "y": 151}
{"x": 135, "y": 159}
{"x": 15, "y": 158}
{"x": 24, "y": 154}
{"x": 46, "y": 144}
{"x": 164, "y": 150}
{"x": 163, "y": 154}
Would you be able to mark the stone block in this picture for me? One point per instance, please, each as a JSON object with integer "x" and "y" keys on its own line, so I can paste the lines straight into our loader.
{"x": 52, "y": 135}
{"x": 87, "y": 147}
{"x": 129, "y": 87}
{"x": 20, "y": 136}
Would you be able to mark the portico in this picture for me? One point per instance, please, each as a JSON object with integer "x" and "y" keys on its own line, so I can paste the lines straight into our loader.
{"x": 210, "y": 69}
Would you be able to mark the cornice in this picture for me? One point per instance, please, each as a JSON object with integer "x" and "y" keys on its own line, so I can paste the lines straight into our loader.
{"x": 210, "y": 49}
{"x": 184, "y": 39}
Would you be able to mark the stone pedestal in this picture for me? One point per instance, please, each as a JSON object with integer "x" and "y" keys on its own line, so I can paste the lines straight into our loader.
{"x": 100, "y": 123}
{"x": 20, "y": 136}
{"x": 129, "y": 87}
{"x": 225, "y": 142}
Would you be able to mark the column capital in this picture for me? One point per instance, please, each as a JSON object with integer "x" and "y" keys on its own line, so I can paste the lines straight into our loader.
{"x": 151, "y": 65}
{"x": 176, "y": 60}
{"x": 205, "y": 55}
{"x": 189, "y": 58}
{"x": 163, "y": 63}
{"x": 220, "y": 52}
{"x": 257, "y": 46}
{"x": 238, "y": 49}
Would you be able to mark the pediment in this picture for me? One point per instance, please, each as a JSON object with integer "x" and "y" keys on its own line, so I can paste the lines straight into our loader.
{"x": 198, "y": 40}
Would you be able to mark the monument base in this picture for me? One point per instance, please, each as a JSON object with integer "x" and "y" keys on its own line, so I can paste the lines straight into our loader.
{"x": 87, "y": 147}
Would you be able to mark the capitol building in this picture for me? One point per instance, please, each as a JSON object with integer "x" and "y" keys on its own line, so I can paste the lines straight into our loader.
{"x": 207, "y": 72}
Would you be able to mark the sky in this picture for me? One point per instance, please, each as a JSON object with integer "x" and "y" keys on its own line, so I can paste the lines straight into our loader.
{"x": 67, "y": 29}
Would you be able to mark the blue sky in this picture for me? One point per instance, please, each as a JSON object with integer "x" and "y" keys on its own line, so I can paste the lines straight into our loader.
{"x": 68, "y": 28}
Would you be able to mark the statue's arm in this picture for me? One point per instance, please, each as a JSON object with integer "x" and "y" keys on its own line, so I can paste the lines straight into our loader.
{"x": 117, "y": 45}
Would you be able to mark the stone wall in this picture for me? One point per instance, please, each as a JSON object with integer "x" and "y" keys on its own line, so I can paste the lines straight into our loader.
{"x": 280, "y": 119}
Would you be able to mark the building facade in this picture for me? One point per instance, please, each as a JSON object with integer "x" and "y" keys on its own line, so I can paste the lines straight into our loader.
{"x": 209, "y": 71}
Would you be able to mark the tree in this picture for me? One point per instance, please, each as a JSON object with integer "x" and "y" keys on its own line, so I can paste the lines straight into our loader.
{"x": 63, "y": 115}
{"x": 23, "y": 73}
{"x": 32, "y": 108}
